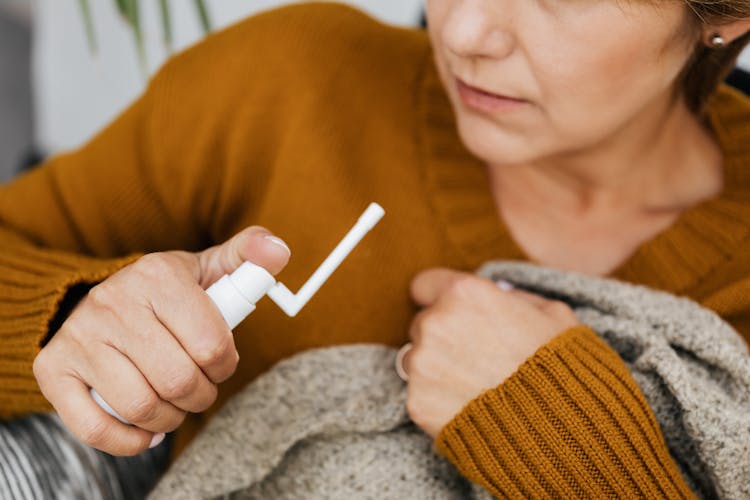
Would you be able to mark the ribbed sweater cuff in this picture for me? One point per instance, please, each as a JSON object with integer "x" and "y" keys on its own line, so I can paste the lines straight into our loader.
{"x": 569, "y": 423}
{"x": 33, "y": 283}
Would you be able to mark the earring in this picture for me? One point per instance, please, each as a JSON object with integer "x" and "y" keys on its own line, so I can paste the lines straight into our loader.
{"x": 717, "y": 41}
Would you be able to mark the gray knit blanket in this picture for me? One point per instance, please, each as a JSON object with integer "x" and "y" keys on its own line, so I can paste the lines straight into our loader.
{"x": 330, "y": 423}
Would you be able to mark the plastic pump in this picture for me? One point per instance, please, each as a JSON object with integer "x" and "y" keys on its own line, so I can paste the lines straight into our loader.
{"x": 236, "y": 294}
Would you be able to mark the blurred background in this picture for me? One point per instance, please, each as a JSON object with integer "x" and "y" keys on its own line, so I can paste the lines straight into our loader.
{"x": 55, "y": 92}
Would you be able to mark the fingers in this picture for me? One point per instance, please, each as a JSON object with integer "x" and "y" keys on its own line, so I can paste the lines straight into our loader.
{"x": 118, "y": 379}
{"x": 203, "y": 336}
{"x": 426, "y": 328}
{"x": 128, "y": 392}
{"x": 151, "y": 343}
{"x": 255, "y": 244}
{"x": 69, "y": 394}
{"x": 427, "y": 286}
{"x": 555, "y": 308}
{"x": 530, "y": 298}
{"x": 430, "y": 286}
{"x": 470, "y": 335}
{"x": 180, "y": 381}
{"x": 92, "y": 425}
{"x": 170, "y": 299}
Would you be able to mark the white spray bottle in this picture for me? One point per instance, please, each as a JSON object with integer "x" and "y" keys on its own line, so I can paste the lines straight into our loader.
{"x": 236, "y": 294}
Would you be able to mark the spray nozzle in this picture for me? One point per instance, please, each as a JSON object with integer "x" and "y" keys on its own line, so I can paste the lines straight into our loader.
{"x": 236, "y": 294}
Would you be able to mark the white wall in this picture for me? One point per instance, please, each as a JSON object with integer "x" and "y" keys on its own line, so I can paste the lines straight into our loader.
{"x": 76, "y": 94}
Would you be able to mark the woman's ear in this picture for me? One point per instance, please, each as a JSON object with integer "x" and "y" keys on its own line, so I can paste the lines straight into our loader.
{"x": 727, "y": 32}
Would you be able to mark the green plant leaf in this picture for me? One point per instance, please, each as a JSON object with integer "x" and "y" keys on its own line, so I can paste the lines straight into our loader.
{"x": 200, "y": 6}
{"x": 89, "y": 24}
{"x": 166, "y": 24}
{"x": 122, "y": 7}
{"x": 132, "y": 14}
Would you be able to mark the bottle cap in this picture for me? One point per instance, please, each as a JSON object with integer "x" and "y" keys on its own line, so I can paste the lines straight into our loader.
{"x": 236, "y": 294}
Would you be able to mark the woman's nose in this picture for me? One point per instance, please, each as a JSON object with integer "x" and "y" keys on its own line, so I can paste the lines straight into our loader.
{"x": 479, "y": 29}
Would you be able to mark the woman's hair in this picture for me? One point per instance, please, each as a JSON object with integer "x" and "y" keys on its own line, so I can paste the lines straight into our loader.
{"x": 708, "y": 66}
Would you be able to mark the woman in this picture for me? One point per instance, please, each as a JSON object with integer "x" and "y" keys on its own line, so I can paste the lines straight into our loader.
{"x": 581, "y": 135}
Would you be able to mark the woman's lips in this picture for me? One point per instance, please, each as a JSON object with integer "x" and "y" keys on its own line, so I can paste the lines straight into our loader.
{"x": 484, "y": 101}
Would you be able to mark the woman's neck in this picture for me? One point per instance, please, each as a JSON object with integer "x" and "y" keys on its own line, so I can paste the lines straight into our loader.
{"x": 661, "y": 163}
{"x": 589, "y": 212}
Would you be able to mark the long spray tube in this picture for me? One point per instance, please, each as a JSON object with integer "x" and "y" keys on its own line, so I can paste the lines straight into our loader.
{"x": 291, "y": 303}
{"x": 236, "y": 294}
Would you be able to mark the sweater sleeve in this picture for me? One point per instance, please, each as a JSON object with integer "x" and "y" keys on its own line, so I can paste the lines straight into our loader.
{"x": 62, "y": 225}
{"x": 186, "y": 166}
{"x": 33, "y": 283}
{"x": 569, "y": 423}
{"x": 65, "y": 226}
{"x": 148, "y": 182}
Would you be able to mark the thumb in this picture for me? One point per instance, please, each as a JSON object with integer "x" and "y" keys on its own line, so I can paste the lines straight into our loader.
{"x": 255, "y": 244}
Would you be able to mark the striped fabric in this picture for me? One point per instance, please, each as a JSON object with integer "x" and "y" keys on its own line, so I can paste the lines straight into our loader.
{"x": 40, "y": 459}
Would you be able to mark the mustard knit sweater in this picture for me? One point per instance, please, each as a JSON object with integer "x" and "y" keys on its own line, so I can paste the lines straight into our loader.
{"x": 296, "y": 119}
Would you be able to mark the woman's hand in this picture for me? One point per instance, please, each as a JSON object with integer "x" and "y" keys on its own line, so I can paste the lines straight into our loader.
{"x": 470, "y": 336}
{"x": 151, "y": 342}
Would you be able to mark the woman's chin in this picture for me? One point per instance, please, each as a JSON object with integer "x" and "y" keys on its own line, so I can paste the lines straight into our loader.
{"x": 499, "y": 148}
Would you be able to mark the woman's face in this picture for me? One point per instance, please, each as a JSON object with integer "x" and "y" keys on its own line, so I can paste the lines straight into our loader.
{"x": 533, "y": 79}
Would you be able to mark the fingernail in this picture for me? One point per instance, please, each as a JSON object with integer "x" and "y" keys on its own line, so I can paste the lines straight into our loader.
{"x": 278, "y": 241}
{"x": 158, "y": 438}
{"x": 505, "y": 286}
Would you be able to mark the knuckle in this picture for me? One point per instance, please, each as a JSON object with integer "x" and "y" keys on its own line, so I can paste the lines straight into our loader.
{"x": 77, "y": 333}
{"x": 463, "y": 287}
{"x": 174, "y": 422}
{"x": 226, "y": 369}
{"x": 208, "y": 400}
{"x": 425, "y": 322}
{"x": 215, "y": 352}
{"x": 181, "y": 385}
{"x": 231, "y": 366}
{"x": 431, "y": 326}
{"x": 102, "y": 296}
{"x": 143, "y": 408}
{"x": 96, "y": 433}
{"x": 40, "y": 366}
{"x": 177, "y": 422}
{"x": 155, "y": 265}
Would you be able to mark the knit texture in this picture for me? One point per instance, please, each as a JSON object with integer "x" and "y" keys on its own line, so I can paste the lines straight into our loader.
{"x": 331, "y": 423}
{"x": 296, "y": 119}
{"x": 327, "y": 423}
{"x": 692, "y": 367}
{"x": 33, "y": 283}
